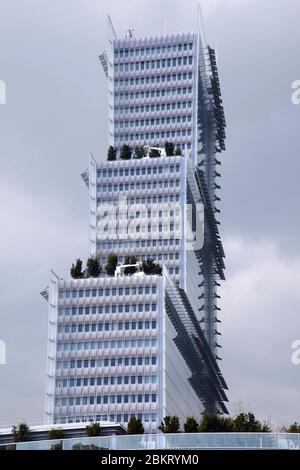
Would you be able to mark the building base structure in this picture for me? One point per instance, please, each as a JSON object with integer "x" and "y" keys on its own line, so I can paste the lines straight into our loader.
{"x": 127, "y": 346}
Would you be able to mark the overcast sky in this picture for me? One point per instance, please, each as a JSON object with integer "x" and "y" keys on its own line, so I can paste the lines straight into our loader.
{"x": 56, "y": 114}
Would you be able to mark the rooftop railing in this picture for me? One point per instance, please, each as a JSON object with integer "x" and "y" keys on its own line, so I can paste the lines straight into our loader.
{"x": 191, "y": 441}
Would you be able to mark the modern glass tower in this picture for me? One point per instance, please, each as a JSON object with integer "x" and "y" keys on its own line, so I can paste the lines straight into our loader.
{"x": 139, "y": 343}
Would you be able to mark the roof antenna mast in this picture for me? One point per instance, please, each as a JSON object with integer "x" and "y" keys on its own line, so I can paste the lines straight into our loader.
{"x": 200, "y": 24}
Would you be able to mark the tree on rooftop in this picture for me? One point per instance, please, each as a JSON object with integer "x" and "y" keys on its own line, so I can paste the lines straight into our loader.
{"x": 295, "y": 427}
{"x": 149, "y": 267}
{"x": 112, "y": 262}
{"x": 20, "y": 432}
{"x": 211, "y": 422}
{"x": 246, "y": 422}
{"x": 93, "y": 430}
{"x": 154, "y": 153}
{"x": 170, "y": 424}
{"x": 135, "y": 426}
{"x": 169, "y": 148}
{"x": 111, "y": 153}
{"x": 56, "y": 434}
{"x": 190, "y": 425}
{"x": 139, "y": 152}
{"x": 76, "y": 270}
{"x": 178, "y": 151}
{"x": 125, "y": 152}
{"x": 93, "y": 267}
{"x": 130, "y": 260}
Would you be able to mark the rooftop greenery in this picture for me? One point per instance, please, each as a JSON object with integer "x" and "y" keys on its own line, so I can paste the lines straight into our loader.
{"x": 94, "y": 268}
{"x": 127, "y": 153}
{"x": 93, "y": 430}
{"x": 135, "y": 426}
{"x": 210, "y": 422}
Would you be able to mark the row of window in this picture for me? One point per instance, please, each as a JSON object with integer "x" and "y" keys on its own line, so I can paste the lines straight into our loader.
{"x": 119, "y": 418}
{"x": 154, "y": 52}
{"x": 170, "y": 78}
{"x": 107, "y": 362}
{"x": 107, "y": 344}
{"x": 140, "y": 200}
{"x": 100, "y": 309}
{"x": 114, "y": 326}
{"x": 159, "y": 93}
{"x": 108, "y": 245}
{"x": 154, "y": 121}
{"x": 153, "y": 64}
{"x": 106, "y": 399}
{"x": 137, "y": 244}
{"x": 133, "y": 290}
{"x": 137, "y": 171}
{"x": 105, "y": 309}
{"x": 146, "y": 50}
{"x": 106, "y": 380}
{"x": 153, "y": 107}
{"x": 159, "y": 257}
{"x": 153, "y": 135}
{"x": 120, "y": 213}
{"x": 135, "y": 226}
{"x": 138, "y": 186}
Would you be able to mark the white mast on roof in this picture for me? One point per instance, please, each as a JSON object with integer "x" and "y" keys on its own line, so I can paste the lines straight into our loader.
{"x": 200, "y": 25}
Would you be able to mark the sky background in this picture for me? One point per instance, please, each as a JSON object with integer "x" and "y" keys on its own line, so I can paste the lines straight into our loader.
{"x": 56, "y": 113}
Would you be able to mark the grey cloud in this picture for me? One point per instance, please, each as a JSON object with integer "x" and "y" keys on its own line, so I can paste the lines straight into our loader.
{"x": 56, "y": 114}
